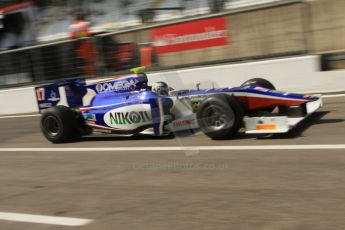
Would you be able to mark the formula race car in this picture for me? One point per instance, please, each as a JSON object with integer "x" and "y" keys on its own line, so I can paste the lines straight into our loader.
{"x": 126, "y": 105}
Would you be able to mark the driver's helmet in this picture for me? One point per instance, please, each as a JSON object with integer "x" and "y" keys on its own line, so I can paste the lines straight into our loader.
{"x": 161, "y": 88}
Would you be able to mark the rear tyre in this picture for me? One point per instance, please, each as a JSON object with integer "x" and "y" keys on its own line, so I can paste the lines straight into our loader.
{"x": 220, "y": 116}
{"x": 59, "y": 124}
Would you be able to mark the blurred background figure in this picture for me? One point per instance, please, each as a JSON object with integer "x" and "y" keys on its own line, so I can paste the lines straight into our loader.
{"x": 80, "y": 27}
{"x": 84, "y": 50}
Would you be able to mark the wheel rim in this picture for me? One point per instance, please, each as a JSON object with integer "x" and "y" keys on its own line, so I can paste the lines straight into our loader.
{"x": 51, "y": 125}
{"x": 216, "y": 119}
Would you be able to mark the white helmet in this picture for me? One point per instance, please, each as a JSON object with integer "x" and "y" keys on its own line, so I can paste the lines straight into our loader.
{"x": 161, "y": 88}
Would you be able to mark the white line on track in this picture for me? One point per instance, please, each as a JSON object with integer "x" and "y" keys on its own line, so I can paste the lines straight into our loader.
{"x": 333, "y": 95}
{"x": 39, "y": 219}
{"x": 182, "y": 148}
{"x": 20, "y": 116}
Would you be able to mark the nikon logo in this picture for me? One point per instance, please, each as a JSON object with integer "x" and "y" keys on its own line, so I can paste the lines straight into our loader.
{"x": 129, "y": 118}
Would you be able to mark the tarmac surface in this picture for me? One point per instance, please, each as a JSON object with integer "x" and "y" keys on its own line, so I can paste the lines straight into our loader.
{"x": 192, "y": 189}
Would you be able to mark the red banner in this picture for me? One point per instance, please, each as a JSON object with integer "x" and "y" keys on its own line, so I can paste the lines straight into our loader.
{"x": 190, "y": 35}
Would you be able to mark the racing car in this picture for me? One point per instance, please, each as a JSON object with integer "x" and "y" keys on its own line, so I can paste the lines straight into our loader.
{"x": 126, "y": 105}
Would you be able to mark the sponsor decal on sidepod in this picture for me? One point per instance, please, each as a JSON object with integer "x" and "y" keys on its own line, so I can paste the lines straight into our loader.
{"x": 129, "y": 117}
{"x": 182, "y": 123}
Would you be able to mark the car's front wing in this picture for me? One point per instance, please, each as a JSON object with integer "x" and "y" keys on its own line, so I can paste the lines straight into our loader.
{"x": 278, "y": 124}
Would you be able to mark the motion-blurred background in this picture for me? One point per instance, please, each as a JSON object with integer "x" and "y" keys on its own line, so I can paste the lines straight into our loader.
{"x": 44, "y": 40}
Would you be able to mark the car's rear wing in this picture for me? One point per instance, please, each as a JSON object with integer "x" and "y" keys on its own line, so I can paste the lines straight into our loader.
{"x": 66, "y": 92}
{"x": 71, "y": 92}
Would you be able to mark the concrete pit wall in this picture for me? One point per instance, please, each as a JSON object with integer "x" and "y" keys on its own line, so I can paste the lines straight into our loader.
{"x": 254, "y": 33}
{"x": 327, "y": 30}
{"x": 273, "y": 30}
{"x": 315, "y": 26}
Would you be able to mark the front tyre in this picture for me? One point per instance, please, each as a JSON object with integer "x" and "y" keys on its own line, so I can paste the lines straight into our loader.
{"x": 59, "y": 124}
{"x": 220, "y": 116}
{"x": 261, "y": 82}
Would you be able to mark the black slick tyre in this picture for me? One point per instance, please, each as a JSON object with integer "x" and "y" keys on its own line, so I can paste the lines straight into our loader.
{"x": 220, "y": 116}
{"x": 59, "y": 124}
{"x": 261, "y": 82}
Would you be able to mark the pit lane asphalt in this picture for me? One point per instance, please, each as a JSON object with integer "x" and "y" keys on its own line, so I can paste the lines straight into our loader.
{"x": 247, "y": 189}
